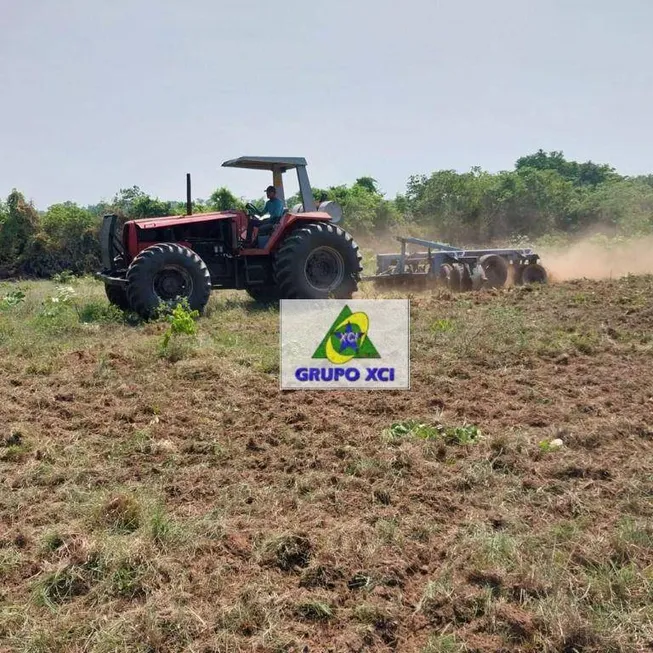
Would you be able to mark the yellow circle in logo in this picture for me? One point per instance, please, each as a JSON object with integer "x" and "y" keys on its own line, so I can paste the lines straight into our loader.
{"x": 356, "y": 319}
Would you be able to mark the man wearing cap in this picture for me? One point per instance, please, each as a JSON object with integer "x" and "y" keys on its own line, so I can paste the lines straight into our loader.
{"x": 274, "y": 207}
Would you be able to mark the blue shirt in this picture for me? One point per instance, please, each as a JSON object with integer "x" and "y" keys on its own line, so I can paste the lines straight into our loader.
{"x": 275, "y": 208}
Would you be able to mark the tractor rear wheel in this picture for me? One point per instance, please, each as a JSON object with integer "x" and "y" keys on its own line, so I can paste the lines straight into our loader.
{"x": 117, "y": 295}
{"x": 167, "y": 273}
{"x": 318, "y": 261}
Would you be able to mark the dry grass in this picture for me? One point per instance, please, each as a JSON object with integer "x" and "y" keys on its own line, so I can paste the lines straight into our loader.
{"x": 168, "y": 500}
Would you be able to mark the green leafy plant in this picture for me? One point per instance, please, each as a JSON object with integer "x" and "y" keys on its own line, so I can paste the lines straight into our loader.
{"x": 443, "y": 325}
{"x": 99, "y": 312}
{"x": 182, "y": 321}
{"x": 57, "y": 304}
{"x": 181, "y": 326}
{"x": 413, "y": 428}
{"x": 65, "y": 277}
{"x": 465, "y": 434}
{"x": 12, "y": 299}
{"x": 547, "y": 446}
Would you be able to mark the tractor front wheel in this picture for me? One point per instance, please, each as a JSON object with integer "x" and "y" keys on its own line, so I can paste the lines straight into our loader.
{"x": 318, "y": 261}
{"x": 167, "y": 274}
{"x": 117, "y": 295}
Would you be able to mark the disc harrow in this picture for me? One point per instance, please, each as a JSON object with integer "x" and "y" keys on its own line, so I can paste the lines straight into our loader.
{"x": 456, "y": 268}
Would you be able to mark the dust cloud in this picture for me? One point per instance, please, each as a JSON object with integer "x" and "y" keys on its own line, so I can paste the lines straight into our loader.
{"x": 383, "y": 242}
{"x": 591, "y": 260}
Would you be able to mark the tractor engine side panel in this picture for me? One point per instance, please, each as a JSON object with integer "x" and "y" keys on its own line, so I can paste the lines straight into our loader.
{"x": 210, "y": 240}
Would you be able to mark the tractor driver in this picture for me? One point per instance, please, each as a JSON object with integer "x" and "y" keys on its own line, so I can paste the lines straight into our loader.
{"x": 274, "y": 207}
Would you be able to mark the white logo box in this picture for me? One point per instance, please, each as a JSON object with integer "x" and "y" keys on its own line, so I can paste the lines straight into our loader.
{"x": 304, "y": 325}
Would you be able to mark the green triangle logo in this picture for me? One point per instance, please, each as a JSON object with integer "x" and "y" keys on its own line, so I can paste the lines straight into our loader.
{"x": 347, "y": 338}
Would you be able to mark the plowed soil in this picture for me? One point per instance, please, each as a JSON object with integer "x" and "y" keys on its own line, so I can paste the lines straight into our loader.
{"x": 176, "y": 500}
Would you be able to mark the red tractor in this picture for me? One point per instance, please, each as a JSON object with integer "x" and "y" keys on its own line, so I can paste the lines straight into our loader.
{"x": 156, "y": 261}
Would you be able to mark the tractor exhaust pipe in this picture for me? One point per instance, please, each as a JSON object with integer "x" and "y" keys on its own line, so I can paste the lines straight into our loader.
{"x": 189, "y": 202}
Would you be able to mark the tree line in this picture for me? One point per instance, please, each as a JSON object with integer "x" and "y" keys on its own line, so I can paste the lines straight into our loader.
{"x": 545, "y": 194}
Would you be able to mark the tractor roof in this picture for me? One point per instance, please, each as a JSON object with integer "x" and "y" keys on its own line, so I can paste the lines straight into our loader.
{"x": 265, "y": 162}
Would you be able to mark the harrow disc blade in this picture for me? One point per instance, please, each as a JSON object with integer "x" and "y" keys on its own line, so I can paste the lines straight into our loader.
{"x": 534, "y": 273}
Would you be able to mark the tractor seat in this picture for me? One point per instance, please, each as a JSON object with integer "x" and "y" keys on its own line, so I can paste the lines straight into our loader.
{"x": 265, "y": 231}
{"x": 263, "y": 234}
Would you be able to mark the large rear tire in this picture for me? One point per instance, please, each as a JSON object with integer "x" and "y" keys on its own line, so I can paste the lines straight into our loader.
{"x": 318, "y": 261}
{"x": 117, "y": 295}
{"x": 166, "y": 274}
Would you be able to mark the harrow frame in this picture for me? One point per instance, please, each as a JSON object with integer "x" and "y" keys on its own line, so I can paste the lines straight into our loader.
{"x": 457, "y": 268}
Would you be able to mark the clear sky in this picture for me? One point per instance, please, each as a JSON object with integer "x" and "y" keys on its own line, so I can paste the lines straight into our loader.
{"x": 97, "y": 95}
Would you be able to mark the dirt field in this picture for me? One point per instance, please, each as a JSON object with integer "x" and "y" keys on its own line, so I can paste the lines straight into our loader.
{"x": 174, "y": 500}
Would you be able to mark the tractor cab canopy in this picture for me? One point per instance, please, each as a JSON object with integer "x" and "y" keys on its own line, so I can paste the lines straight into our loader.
{"x": 279, "y": 165}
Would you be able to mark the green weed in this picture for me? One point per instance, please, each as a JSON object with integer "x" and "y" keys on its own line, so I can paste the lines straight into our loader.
{"x": 465, "y": 434}
{"x": 162, "y": 529}
{"x": 443, "y": 325}
{"x": 126, "y": 580}
{"x": 413, "y": 429}
{"x": 56, "y": 304}
{"x": 178, "y": 339}
{"x": 409, "y": 429}
{"x": 99, "y": 312}
{"x": 12, "y": 299}
{"x": 64, "y": 278}
{"x": 548, "y": 446}
{"x": 53, "y": 541}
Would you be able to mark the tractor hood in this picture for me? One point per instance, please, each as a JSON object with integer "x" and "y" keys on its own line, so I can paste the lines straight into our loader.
{"x": 155, "y": 223}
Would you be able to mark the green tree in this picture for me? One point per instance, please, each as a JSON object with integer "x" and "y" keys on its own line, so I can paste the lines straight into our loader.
{"x": 68, "y": 239}
{"x": 621, "y": 207}
{"x": 150, "y": 207}
{"x": 20, "y": 221}
{"x": 453, "y": 206}
{"x": 580, "y": 174}
{"x": 222, "y": 199}
{"x": 530, "y": 202}
{"x": 368, "y": 183}
{"x": 67, "y": 220}
{"x": 133, "y": 203}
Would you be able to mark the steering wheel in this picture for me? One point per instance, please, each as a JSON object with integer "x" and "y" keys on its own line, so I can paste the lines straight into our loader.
{"x": 251, "y": 209}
